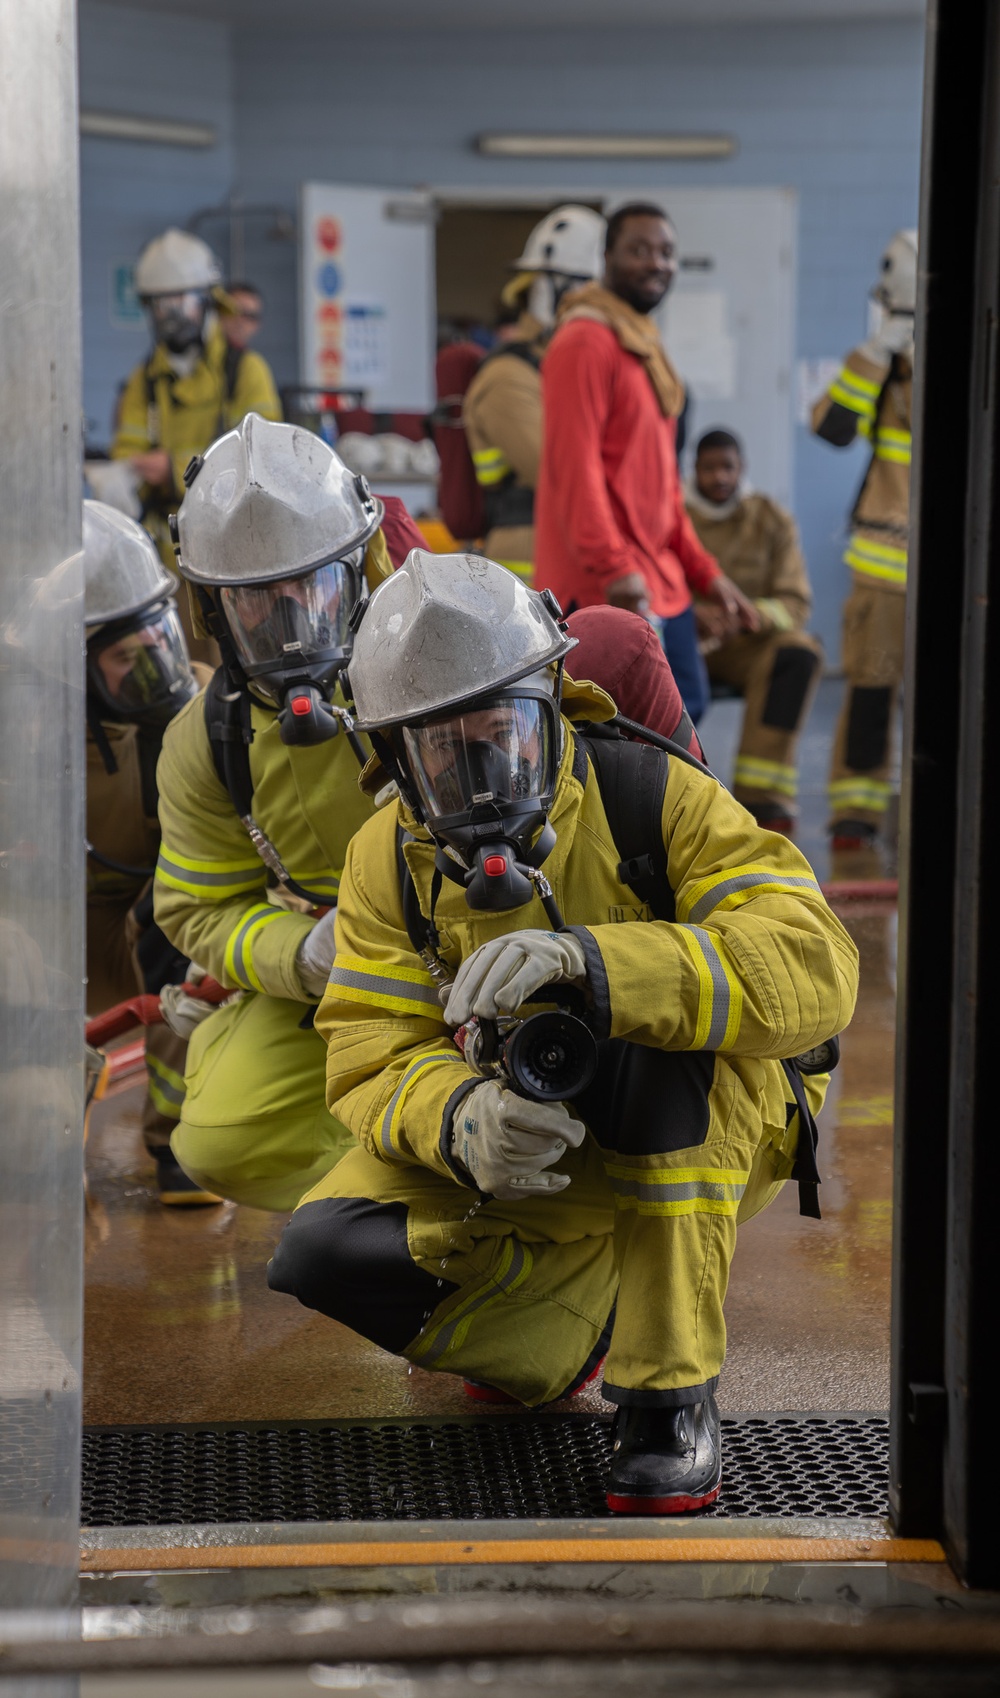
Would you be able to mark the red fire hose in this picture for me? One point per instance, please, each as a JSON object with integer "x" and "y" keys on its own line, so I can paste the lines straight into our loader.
{"x": 140, "y": 1011}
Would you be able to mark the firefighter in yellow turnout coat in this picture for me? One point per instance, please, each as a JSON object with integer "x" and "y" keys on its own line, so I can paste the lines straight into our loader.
{"x": 872, "y": 397}
{"x": 450, "y": 1236}
{"x": 279, "y": 539}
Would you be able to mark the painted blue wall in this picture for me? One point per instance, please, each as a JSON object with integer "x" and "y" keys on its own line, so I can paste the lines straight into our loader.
{"x": 831, "y": 110}
{"x": 142, "y": 64}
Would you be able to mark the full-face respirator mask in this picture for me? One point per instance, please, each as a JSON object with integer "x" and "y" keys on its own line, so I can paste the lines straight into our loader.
{"x": 138, "y": 669}
{"x": 292, "y": 638}
{"x": 179, "y": 320}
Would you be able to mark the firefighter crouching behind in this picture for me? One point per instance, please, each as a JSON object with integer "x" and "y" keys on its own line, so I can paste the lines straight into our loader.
{"x": 192, "y": 387}
{"x": 138, "y": 677}
{"x": 872, "y": 396}
{"x": 503, "y": 405}
{"x": 775, "y": 668}
{"x": 259, "y": 798}
{"x": 475, "y": 1231}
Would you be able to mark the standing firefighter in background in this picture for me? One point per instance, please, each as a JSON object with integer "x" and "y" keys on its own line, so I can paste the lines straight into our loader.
{"x": 477, "y": 1229}
{"x": 872, "y": 397}
{"x": 259, "y": 797}
{"x": 776, "y": 667}
{"x": 188, "y": 391}
{"x": 503, "y": 404}
{"x": 138, "y": 678}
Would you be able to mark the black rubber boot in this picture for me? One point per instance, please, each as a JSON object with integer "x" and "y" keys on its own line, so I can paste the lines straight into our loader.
{"x": 665, "y": 1461}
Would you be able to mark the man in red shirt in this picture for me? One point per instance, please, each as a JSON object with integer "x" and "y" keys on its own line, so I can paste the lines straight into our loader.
{"x": 610, "y": 518}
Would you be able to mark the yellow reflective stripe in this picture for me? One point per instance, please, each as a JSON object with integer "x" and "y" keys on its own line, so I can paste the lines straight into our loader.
{"x": 870, "y": 793}
{"x": 851, "y": 379}
{"x": 491, "y": 466}
{"x": 776, "y": 611}
{"x": 384, "y": 984}
{"x": 208, "y": 880}
{"x": 720, "y": 996}
{"x": 756, "y": 774}
{"x": 448, "y": 1336}
{"x": 895, "y": 453}
{"x": 389, "y": 1131}
{"x": 876, "y": 559}
{"x": 521, "y": 568}
{"x": 678, "y": 1191}
{"x": 887, "y": 433}
{"x": 239, "y": 945}
{"x": 853, "y": 403}
{"x": 730, "y": 889}
{"x": 165, "y": 1085}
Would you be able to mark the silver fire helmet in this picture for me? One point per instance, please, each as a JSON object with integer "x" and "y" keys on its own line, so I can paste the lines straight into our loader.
{"x": 444, "y": 630}
{"x": 270, "y": 501}
{"x": 122, "y": 572}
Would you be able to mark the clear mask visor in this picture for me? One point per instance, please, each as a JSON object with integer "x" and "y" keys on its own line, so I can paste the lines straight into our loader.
{"x": 293, "y": 620}
{"x": 143, "y": 673}
{"x": 503, "y": 753}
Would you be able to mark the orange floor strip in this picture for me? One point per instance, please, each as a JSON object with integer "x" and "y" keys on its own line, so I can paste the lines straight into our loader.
{"x": 422, "y": 1553}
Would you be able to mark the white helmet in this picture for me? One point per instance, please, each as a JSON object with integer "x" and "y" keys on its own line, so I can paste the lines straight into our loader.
{"x": 137, "y": 660}
{"x": 175, "y": 262}
{"x": 122, "y": 572}
{"x": 275, "y": 525}
{"x": 568, "y": 242}
{"x": 456, "y": 671}
{"x": 896, "y": 289}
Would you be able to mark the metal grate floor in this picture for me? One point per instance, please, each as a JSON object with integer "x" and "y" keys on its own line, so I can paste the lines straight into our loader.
{"x": 487, "y": 1468}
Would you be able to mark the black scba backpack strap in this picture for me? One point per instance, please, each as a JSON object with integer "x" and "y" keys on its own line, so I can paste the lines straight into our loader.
{"x": 227, "y": 724}
{"x": 632, "y": 778}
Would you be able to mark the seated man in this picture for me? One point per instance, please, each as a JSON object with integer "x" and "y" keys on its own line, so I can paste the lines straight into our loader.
{"x": 776, "y": 667}
{"x": 259, "y": 798}
{"x": 477, "y": 1231}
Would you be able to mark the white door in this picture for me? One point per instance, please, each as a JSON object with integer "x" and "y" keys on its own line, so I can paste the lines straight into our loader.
{"x": 366, "y": 279}
{"x": 729, "y": 321}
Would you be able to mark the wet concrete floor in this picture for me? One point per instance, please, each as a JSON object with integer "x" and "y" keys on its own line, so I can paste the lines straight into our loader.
{"x": 180, "y": 1325}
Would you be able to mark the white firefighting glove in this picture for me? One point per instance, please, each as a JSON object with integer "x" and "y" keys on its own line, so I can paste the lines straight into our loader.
{"x": 500, "y": 975}
{"x": 505, "y": 1143}
{"x": 316, "y": 953}
{"x": 181, "y": 1011}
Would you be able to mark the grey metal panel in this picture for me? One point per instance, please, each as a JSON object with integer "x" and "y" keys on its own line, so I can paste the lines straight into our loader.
{"x": 41, "y": 807}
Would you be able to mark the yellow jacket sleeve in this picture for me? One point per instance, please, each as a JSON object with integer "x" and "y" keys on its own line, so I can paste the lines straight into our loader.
{"x": 210, "y": 890}
{"x": 848, "y": 407}
{"x": 255, "y": 391}
{"x": 394, "y": 1074}
{"x": 756, "y": 965}
{"x": 503, "y": 414}
{"x": 132, "y": 435}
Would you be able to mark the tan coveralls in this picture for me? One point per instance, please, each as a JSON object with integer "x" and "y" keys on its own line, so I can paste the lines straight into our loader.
{"x": 122, "y": 824}
{"x": 777, "y": 668}
{"x": 875, "y": 401}
{"x": 503, "y": 423}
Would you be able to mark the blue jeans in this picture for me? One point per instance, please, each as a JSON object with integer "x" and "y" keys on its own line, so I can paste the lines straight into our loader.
{"x": 679, "y": 637}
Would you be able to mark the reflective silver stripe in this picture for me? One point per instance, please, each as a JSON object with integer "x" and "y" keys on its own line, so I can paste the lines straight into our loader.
{"x": 721, "y": 1191}
{"x": 237, "y": 875}
{"x": 505, "y": 1281}
{"x": 425, "y": 1061}
{"x": 721, "y": 993}
{"x": 408, "y": 989}
{"x": 745, "y": 881}
{"x": 242, "y": 969}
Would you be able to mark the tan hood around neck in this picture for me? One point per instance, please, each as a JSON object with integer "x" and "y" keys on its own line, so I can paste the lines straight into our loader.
{"x": 637, "y": 334}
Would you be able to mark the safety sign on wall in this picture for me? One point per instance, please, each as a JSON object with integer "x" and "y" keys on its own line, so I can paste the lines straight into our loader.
{"x": 124, "y": 306}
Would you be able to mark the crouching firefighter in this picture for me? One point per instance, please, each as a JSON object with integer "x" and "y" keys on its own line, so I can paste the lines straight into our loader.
{"x": 526, "y": 1199}
{"x": 138, "y": 677}
{"x": 259, "y": 797}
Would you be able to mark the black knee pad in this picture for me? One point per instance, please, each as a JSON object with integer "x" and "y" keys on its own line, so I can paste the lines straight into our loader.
{"x": 868, "y": 727}
{"x": 348, "y": 1257}
{"x": 648, "y": 1101}
{"x": 791, "y": 675}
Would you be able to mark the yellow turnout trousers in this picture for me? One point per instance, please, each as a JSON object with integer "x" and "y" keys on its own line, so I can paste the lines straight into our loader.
{"x": 254, "y": 1125}
{"x": 776, "y": 672}
{"x": 873, "y": 636}
{"x": 520, "y": 1295}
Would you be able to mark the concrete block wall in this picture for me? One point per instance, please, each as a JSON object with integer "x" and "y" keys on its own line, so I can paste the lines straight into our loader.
{"x": 832, "y": 110}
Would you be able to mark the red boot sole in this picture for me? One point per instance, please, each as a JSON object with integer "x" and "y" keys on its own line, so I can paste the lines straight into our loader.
{"x": 679, "y": 1504}
{"x": 490, "y": 1394}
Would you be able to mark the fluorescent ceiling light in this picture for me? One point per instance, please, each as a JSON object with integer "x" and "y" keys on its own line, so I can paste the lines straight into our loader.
{"x": 118, "y": 126}
{"x": 523, "y": 145}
